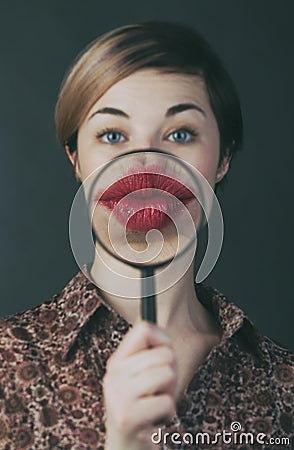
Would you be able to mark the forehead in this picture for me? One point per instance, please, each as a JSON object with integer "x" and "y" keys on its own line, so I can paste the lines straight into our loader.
{"x": 150, "y": 88}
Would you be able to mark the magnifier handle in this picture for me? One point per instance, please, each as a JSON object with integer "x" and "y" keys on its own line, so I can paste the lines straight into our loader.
{"x": 148, "y": 303}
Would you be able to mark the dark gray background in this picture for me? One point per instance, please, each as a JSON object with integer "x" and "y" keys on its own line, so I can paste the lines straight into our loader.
{"x": 39, "y": 39}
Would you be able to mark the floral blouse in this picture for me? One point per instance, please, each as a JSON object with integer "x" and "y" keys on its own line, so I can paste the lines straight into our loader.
{"x": 53, "y": 358}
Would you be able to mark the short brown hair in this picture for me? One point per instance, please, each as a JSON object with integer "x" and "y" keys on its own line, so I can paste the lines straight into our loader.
{"x": 167, "y": 47}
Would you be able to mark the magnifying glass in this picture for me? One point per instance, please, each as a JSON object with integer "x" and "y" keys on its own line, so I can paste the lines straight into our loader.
{"x": 145, "y": 207}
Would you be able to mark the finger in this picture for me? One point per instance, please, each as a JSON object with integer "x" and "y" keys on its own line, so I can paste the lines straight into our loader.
{"x": 152, "y": 357}
{"x": 141, "y": 337}
{"x": 149, "y": 411}
{"x": 124, "y": 383}
{"x": 158, "y": 380}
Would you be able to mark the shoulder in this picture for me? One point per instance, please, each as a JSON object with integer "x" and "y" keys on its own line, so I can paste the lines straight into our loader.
{"x": 52, "y": 324}
{"x": 253, "y": 376}
{"x": 26, "y": 339}
{"x": 37, "y": 370}
{"x": 244, "y": 347}
{"x": 281, "y": 361}
{"x": 29, "y": 326}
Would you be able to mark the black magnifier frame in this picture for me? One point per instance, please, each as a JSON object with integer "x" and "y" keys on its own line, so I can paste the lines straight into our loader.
{"x": 148, "y": 302}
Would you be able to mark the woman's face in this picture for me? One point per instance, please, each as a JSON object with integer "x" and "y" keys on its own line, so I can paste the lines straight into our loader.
{"x": 149, "y": 109}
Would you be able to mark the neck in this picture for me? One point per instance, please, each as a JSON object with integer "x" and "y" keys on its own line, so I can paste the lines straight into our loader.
{"x": 178, "y": 308}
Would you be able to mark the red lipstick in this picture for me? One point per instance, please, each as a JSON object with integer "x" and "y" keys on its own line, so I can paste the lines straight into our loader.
{"x": 148, "y": 205}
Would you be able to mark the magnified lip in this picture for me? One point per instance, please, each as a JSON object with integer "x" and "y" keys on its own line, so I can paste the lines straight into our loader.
{"x": 153, "y": 205}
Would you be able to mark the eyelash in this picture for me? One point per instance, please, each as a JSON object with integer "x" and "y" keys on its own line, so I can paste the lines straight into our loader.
{"x": 186, "y": 129}
{"x": 106, "y": 130}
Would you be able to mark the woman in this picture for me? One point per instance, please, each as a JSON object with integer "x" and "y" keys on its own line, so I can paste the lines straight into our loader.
{"x": 82, "y": 370}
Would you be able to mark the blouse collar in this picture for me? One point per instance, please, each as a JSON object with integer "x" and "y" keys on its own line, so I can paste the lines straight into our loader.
{"x": 83, "y": 297}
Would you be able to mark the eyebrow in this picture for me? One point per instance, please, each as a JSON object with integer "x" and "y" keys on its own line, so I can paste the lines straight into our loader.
{"x": 109, "y": 110}
{"x": 183, "y": 107}
{"x": 172, "y": 111}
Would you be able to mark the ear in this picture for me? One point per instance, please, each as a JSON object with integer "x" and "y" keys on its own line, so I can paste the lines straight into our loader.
{"x": 223, "y": 168}
{"x": 73, "y": 157}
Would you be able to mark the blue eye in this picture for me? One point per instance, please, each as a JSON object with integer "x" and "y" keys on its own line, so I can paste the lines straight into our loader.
{"x": 111, "y": 136}
{"x": 182, "y": 136}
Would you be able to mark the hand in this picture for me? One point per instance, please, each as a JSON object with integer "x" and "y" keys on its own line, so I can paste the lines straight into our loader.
{"x": 139, "y": 387}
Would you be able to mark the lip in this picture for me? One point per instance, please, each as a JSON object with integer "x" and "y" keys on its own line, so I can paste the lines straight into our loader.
{"x": 148, "y": 206}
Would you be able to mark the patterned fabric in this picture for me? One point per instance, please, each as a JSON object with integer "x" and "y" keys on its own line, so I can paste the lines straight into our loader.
{"x": 53, "y": 358}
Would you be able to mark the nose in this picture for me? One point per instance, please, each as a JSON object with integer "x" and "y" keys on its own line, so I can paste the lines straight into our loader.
{"x": 146, "y": 138}
{"x": 149, "y": 158}
{"x": 145, "y": 143}
{"x": 141, "y": 155}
